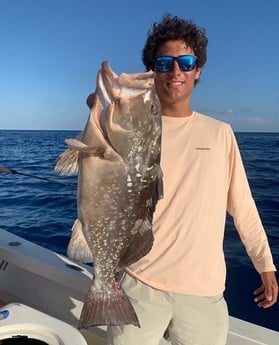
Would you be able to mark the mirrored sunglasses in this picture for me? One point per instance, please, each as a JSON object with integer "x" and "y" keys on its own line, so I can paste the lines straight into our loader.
{"x": 165, "y": 63}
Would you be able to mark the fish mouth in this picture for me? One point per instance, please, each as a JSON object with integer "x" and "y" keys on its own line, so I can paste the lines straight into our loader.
{"x": 113, "y": 95}
{"x": 111, "y": 87}
{"x": 106, "y": 85}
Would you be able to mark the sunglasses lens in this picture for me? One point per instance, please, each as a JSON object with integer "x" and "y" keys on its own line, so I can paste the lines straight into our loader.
{"x": 187, "y": 62}
{"x": 165, "y": 63}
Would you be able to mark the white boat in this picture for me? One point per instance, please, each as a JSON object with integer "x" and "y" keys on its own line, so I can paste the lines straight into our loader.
{"x": 51, "y": 286}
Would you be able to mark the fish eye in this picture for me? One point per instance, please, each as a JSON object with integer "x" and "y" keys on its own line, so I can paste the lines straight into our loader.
{"x": 153, "y": 109}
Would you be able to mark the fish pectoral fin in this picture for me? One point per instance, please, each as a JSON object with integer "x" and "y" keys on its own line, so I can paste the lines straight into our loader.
{"x": 101, "y": 151}
{"x": 67, "y": 163}
{"x": 77, "y": 145}
{"x": 107, "y": 307}
{"x": 78, "y": 248}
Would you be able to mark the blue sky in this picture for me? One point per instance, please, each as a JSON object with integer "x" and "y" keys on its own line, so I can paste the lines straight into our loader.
{"x": 51, "y": 51}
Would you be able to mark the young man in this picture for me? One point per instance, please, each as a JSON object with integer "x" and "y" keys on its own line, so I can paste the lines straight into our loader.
{"x": 179, "y": 285}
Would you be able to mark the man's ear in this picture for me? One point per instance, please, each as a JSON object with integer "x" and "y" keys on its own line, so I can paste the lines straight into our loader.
{"x": 198, "y": 73}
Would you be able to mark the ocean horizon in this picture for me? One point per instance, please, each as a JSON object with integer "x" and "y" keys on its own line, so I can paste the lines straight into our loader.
{"x": 43, "y": 210}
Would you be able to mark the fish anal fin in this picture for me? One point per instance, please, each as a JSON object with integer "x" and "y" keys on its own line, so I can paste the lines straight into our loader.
{"x": 107, "y": 307}
{"x": 78, "y": 248}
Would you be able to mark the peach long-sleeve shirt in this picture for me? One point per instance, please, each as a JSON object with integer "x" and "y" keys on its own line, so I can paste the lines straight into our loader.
{"x": 203, "y": 179}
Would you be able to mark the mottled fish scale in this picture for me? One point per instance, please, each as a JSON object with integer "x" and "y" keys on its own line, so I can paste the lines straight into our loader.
{"x": 119, "y": 184}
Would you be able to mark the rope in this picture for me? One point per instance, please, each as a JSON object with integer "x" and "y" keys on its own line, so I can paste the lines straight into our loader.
{"x": 14, "y": 172}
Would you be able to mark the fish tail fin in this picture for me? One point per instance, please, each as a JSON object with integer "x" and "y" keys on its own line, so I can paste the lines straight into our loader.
{"x": 107, "y": 307}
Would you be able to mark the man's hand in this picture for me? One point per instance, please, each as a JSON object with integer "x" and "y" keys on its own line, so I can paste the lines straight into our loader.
{"x": 267, "y": 293}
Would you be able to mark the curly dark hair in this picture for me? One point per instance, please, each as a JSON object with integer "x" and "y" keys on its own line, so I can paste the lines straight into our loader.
{"x": 174, "y": 28}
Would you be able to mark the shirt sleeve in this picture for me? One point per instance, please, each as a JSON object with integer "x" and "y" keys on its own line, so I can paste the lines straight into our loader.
{"x": 241, "y": 206}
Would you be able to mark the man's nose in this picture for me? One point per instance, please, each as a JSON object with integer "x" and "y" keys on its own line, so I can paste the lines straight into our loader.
{"x": 175, "y": 68}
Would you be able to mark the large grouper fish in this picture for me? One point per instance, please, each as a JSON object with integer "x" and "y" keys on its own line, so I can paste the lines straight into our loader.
{"x": 117, "y": 158}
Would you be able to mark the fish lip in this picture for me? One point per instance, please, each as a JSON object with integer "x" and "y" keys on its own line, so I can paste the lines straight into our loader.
{"x": 142, "y": 81}
{"x": 102, "y": 89}
{"x": 113, "y": 87}
{"x": 110, "y": 82}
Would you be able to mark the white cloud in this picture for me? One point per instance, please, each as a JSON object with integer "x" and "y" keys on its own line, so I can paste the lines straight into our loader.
{"x": 257, "y": 120}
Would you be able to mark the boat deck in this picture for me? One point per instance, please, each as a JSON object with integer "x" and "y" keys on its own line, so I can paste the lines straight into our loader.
{"x": 57, "y": 286}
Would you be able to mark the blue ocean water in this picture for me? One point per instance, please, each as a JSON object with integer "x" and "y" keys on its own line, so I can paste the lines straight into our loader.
{"x": 44, "y": 211}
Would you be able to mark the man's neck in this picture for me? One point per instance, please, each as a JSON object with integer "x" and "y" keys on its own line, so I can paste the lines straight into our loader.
{"x": 176, "y": 111}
